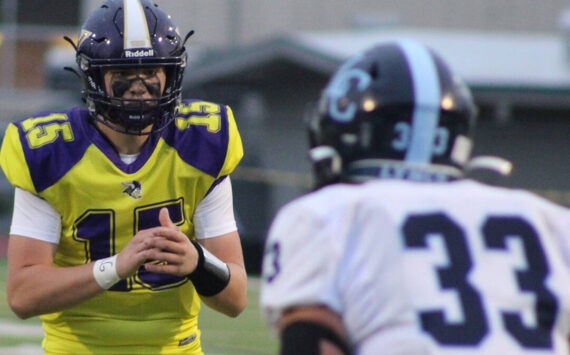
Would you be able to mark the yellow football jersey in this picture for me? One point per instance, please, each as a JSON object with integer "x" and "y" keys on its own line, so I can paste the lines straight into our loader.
{"x": 103, "y": 202}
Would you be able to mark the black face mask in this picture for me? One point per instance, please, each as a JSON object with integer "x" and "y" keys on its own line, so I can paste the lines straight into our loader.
{"x": 121, "y": 84}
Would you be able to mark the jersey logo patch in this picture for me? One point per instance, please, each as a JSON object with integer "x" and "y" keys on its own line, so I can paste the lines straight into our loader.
{"x": 133, "y": 189}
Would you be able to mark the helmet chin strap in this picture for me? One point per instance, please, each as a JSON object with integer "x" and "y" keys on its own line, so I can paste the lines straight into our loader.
{"x": 119, "y": 128}
{"x": 117, "y": 125}
{"x": 322, "y": 153}
{"x": 494, "y": 164}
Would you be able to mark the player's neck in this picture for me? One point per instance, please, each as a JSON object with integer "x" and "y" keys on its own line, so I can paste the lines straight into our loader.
{"x": 123, "y": 143}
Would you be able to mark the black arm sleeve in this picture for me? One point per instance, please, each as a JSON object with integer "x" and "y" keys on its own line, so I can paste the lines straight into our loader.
{"x": 303, "y": 338}
{"x": 211, "y": 275}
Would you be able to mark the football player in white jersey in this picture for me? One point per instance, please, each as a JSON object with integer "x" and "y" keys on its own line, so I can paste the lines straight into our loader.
{"x": 397, "y": 252}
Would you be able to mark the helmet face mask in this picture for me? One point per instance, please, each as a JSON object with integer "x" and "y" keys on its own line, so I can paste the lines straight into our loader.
{"x": 396, "y": 111}
{"x": 141, "y": 41}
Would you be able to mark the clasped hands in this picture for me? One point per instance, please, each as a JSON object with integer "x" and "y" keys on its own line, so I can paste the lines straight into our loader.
{"x": 162, "y": 250}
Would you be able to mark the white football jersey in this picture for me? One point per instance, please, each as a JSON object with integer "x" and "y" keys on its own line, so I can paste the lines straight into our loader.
{"x": 426, "y": 268}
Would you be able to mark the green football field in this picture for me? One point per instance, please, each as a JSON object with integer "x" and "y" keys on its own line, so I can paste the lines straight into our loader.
{"x": 245, "y": 335}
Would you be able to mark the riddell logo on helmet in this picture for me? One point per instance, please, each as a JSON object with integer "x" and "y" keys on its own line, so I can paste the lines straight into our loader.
{"x": 139, "y": 53}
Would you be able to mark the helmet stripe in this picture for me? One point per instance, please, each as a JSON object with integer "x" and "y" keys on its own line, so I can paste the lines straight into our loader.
{"x": 427, "y": 96}
{"x": 136, "y": 28}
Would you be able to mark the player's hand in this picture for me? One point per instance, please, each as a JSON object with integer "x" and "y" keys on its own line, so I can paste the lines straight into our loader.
{"x": 172, "y": 251}
{"x": 136, "y": 252}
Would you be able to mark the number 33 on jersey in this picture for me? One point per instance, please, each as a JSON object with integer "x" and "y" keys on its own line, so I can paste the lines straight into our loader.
{"x": 408, "y": 266}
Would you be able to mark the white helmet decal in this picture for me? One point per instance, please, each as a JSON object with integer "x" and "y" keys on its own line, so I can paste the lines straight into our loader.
{"x": 136, "y": 28}
{"x": 427, "y": 93}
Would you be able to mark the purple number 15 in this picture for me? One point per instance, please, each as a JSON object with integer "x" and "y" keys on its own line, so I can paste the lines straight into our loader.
{"x": 95, "y": 229}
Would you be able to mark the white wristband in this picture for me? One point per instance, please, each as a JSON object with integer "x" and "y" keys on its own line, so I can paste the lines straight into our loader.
{"x": 105, "y": 272}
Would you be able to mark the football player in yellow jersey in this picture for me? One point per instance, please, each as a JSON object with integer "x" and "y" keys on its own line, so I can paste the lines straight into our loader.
{"x": 123, "y": 217}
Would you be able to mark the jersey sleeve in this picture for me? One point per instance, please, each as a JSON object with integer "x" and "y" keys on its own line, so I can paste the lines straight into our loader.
{"x": 13, "y": 160}
{"x": 206, "y": 137}
{"x": 299, "y": 263}
{"x": 39, "y": 150}
{"x": 234, "y": 151}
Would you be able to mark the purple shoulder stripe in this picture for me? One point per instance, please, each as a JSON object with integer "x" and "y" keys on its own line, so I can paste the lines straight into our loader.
{"x": 215, "y": 183}
{"x": 194, "y": 140}
{"x": 50, "y": 161}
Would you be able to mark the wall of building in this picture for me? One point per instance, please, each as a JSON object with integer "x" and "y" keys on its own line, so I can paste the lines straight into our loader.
{"x": 223, "y": 23}
{"x": 227, "y": 22}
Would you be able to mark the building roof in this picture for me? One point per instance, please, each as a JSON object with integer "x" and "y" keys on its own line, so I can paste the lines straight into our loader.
{"x": 535, "y": 61}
